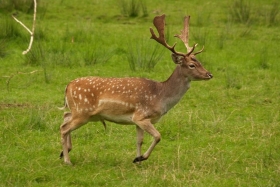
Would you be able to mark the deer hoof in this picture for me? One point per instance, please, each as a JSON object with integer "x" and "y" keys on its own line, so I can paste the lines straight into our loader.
{"x": 139, "y": 159}
{"x": 69, "y": 163}
{"x": 61, "y": 155}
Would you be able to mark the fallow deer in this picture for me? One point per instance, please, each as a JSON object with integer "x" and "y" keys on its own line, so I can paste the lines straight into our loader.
{"x": 138, "y": 101}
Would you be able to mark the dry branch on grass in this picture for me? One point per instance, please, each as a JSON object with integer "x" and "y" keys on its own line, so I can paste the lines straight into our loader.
{"x": 17, "y": 73}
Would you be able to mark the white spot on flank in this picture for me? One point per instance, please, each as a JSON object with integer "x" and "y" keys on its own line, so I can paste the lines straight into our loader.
{"x": 131, "y": 105}
{"x": 80, "y": 96}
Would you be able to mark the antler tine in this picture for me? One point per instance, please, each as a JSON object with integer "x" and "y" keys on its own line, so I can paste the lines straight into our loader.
{"x": 199, "y": 51}
{"x": 159, "y": 23}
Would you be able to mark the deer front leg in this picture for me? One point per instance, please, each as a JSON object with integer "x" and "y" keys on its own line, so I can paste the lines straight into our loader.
{"x": 140, "y": 136}
{"x": 147, "y": 126}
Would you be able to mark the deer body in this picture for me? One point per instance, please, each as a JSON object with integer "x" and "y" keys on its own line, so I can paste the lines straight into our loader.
{"x": 137, "y": 101}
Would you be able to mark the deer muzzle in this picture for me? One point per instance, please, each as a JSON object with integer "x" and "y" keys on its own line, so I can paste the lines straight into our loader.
{"x": 209, "y": 75}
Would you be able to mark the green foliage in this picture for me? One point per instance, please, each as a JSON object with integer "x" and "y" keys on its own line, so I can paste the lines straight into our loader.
{"x": 34, "y": 120}
{"x": 224, "y": 132}
{"x": 9, "y": 29}
{"x": 3, "y": 48}
{"x": 144, "y": 56}
{"x": 131, "y": 8}
{"x": 36, "y": 56}
{"x": 233, "y": 79}
{"x": 263, "y": 58}
{"x": 273, "y": 12}
{"x": 241, "y": 11}
{"x": 26, "y": 6}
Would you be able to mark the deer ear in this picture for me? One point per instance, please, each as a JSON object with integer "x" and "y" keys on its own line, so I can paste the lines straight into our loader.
{"x": 177, "y": 59}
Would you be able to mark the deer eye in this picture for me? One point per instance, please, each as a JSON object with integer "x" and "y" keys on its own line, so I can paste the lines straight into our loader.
{"x": 191, "y": 66}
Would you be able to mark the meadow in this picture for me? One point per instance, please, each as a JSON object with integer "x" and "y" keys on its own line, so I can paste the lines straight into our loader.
{"x": 224, "y": 132}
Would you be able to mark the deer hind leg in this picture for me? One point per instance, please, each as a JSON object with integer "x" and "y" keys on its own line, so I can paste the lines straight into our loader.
{"x": 69, "y": 124}
{"x": 147, "y": 126}
{"x": 67, "y": 116}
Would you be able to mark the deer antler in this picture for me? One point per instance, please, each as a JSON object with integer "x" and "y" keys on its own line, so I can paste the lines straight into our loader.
{"x": 159, "y": 23}
{"x": 184, "y": 36}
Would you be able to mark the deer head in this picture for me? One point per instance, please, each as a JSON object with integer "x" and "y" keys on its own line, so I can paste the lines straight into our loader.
{"x": 191, "y": 67}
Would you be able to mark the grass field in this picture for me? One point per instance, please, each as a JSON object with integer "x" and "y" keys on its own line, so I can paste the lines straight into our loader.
{"x": 224, "y": 132}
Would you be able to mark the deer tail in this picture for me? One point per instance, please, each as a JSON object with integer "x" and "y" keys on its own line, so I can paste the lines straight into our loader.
{"x": 65, "y": 102}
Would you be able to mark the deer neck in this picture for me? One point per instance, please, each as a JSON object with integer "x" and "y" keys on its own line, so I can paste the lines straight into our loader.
{"x": 174, "y": 88}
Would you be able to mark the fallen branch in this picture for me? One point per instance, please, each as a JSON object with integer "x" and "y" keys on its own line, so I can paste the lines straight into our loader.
{"x": 33, "y": 28}
{"x": 11, "y": 76}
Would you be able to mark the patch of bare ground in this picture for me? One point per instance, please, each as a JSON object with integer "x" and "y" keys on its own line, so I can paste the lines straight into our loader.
{"x": 14, "y": 105}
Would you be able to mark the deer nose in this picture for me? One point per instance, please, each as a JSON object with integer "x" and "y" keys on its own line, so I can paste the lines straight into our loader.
{"x": 209, "y": 75}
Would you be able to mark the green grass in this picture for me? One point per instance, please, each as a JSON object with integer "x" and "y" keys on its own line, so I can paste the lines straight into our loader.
{"x": 224, "y": 132}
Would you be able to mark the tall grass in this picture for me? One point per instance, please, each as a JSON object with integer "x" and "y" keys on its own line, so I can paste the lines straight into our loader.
{"x": 97, "y": 54}
{"x": 9, "y": 29}
{"x": 132, "y": 8}
{"x": 3, "y": 48}
{"x": 35, "y": 120}
{"x": 241, "y": 11}
{"x": 200, "y": 36}
{"x": 36, "y": 56}
{"x": 263, "y": 61}
{"x": 273, "y": 13}
{"x": 233, "y": 79}
{"x": 143, "y": 56}
{"x": 25, "y": 6}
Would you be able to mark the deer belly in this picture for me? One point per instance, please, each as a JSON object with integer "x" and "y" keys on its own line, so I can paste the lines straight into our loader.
{"x": 116, "y": 111}
{"x": 120, "y": 119}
